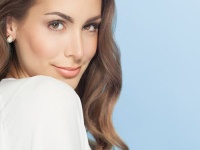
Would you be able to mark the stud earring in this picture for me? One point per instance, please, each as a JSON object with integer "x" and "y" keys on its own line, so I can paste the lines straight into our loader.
{"x": 10, "y": 39}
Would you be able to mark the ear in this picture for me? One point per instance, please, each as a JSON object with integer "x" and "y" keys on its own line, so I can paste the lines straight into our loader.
{"x": 11, "y": 27}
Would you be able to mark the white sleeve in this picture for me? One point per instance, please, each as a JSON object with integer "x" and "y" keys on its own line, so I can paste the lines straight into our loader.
{"x": 47, "y": 116}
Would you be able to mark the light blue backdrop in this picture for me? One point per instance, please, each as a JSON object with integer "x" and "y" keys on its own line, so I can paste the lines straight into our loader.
{"x": 159, "y": 107}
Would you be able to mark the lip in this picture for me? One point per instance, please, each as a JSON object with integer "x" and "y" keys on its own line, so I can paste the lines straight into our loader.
{"x": 68, "y": 72}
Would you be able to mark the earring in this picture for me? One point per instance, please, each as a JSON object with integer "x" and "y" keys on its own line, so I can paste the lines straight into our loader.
{"x": 10, "y": 39}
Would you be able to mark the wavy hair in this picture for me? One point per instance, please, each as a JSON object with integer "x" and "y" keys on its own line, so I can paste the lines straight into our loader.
{"x": 99, "y": 86}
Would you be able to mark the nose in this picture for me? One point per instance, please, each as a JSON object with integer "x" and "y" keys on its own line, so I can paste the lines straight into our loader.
{"x": 75, "y": 46}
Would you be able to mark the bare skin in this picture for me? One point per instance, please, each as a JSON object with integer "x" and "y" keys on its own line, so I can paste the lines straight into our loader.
{"x": 57, "y": 38}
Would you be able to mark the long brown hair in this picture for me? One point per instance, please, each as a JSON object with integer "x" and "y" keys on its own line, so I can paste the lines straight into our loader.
{"x": 99, "y": 86}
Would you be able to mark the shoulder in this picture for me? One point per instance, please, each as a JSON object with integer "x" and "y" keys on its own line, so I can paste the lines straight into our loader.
{"x": 45, "y": 112}
{"x": 45, "y": 85}
{"x": 40, "y": 90}
{"x": 39, "y": 83}
{"x": 33, "y": 82}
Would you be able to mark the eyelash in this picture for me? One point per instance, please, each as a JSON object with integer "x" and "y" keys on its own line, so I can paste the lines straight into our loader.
{"x": 57, "y": 23}
{"x": 95, "y": 25}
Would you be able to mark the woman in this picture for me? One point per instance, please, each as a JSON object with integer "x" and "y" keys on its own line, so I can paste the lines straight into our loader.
{"x": 49, "y": 50}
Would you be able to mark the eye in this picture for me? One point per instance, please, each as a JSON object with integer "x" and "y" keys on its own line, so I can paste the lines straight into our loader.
{"x": 92, "y": 27}
{"x": 56, "y": 25}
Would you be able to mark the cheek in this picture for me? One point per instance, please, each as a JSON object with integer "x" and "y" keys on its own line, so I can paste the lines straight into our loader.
{"x": 90, "y": 48}
{"x": 43, "y": 46}
{"x": 37, "y": 42}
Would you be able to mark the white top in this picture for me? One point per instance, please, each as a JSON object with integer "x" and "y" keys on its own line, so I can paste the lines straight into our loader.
{"x": 40, "y": 113}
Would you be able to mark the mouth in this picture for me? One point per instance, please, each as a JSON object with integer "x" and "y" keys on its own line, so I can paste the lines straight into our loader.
{"x": 68, "y": 72}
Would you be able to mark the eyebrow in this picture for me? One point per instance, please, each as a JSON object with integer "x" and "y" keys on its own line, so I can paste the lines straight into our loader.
{"x": 93, "y": 19}
{"x": 68, "y": 18}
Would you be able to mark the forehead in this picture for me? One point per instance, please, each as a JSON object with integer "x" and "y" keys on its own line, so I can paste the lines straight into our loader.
{"x": 76, "y": 9}
{"x": 81, "y": 5}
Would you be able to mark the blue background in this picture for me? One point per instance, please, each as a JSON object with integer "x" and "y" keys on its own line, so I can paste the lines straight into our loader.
{"x": 159, "y": 107}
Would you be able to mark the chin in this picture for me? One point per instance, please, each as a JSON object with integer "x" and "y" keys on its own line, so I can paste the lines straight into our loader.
{"x": 71, "y": 83}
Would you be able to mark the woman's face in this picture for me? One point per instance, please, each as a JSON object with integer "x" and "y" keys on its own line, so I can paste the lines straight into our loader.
{"x": 58, "y": 38}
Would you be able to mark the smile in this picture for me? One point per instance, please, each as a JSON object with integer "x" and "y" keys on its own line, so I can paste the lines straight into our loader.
{"x": 68, "y": 72}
